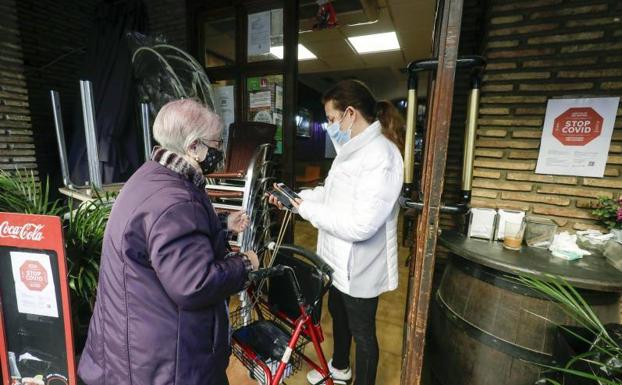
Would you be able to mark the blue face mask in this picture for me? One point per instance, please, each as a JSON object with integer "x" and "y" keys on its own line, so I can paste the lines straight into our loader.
{"x": 334, "y": 131}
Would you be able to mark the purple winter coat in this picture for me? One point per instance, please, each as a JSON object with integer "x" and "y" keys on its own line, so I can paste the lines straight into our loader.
{"x": 161, "y": 312}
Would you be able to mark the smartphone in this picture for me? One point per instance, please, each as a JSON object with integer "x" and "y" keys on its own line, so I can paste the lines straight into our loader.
{"x": 284, "y": 199}
{"x": 282, "y": 187}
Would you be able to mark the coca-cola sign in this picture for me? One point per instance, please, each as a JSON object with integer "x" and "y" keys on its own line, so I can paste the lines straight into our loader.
{"x": 27, "y": 231}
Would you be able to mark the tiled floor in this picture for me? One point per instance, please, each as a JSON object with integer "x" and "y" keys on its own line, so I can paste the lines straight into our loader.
{"x": 390, "y": 320}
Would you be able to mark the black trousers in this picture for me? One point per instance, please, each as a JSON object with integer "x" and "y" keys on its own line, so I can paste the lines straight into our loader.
{"x": 354, "y": 318}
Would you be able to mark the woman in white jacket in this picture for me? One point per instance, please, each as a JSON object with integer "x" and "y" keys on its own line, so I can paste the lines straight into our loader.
{"x": 356, "y": 214}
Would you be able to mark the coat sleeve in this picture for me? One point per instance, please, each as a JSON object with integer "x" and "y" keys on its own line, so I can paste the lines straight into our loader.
{"x": 373, "y": 201}
{"x": 182, "y": 256}
{"x": 315, "y": 194}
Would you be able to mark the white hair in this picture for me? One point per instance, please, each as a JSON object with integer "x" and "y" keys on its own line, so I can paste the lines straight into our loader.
{"x": 181, "y": 122}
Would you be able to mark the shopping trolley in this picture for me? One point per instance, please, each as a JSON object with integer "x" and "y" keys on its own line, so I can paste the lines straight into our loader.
{"x": 271, "y": 330}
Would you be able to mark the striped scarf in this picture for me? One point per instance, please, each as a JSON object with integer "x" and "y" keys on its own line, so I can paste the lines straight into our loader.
{"x": 177, "y": 163}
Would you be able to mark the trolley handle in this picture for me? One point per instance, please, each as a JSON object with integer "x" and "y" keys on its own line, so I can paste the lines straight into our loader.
{"x": 322, "y": 266}
{"x": 276, "y": 271}
{"x": 260, "y": 274}
{"x": 325, "y": 272}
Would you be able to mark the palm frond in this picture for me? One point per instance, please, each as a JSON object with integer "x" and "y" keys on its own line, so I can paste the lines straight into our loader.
{"x": 84, "y": 231}
{"x": 22, "y": 192}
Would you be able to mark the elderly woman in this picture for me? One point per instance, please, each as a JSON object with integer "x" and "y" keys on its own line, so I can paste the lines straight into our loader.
{"x": 166, "y": 269}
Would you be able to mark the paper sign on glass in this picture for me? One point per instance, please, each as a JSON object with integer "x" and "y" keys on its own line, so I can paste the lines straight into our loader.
{"x": 576, "y": 136}
{"x": 260, "y": 99}
{"x": 225, "y": 104}
{"x": 34, "y": 284}
{"x": 259, "y": 33}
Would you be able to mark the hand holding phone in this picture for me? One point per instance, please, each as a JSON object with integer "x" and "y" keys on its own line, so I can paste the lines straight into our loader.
{"x": 283, "y": 199}
{"x": 282, "y": 187}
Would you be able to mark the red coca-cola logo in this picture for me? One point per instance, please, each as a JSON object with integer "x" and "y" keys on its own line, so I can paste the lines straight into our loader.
{"x": 28, "y": 231}
{"x": 33, "y": 275}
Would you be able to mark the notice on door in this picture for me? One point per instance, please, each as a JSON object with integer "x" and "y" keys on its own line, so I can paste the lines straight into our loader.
{"x": 259, "y": 33}
{"x": 34, "y": 286}
{"x": 576, "y": 136}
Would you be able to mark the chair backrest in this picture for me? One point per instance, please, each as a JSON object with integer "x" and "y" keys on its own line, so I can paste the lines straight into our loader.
{"x": 244, "y": 138}
{"x": 280, "y": 291}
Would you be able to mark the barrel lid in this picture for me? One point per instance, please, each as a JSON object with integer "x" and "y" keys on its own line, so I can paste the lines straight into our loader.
{"x": 590, "y": 272}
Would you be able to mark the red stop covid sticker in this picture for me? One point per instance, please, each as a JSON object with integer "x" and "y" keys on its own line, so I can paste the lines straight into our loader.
{"x": 577, "y": 126}
{"x": 33, "y": 275}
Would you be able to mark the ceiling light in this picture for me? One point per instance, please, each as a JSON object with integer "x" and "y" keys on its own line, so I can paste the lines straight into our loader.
{"x": 303, "y": 52}
{"x": 363, "y": 23}
{"x": 377, "y": 42}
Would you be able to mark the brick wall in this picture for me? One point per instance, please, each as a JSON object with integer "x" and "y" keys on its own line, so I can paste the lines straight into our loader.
{"x": 16, "y": 140}
{"x": 541, "y": 49}
{"x": 169, "y": 18}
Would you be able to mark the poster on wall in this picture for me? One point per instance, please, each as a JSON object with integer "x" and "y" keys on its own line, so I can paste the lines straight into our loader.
{"x": 576, "y": 136}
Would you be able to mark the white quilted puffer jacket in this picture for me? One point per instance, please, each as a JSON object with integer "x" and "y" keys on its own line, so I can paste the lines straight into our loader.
{"x": 356, "y": 214}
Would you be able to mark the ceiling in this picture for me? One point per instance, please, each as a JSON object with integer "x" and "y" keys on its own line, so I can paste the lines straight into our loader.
{"x": 412, "y": 20}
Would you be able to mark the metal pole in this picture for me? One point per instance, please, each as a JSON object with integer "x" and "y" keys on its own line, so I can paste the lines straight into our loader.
{"x": 422, "y": 268}
{"x": 60, "y": 137}
{"x": 469, "y": 139}
{"x": 88, "y": 114}
{"x": 411, "y": 130}
{"x": 144, "y": 120}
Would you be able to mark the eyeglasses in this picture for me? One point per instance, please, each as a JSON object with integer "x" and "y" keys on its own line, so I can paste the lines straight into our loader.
{"x": 206, "y": 142}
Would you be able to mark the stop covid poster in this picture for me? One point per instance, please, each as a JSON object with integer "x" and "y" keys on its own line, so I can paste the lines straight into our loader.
{"x": 576, "y": 136}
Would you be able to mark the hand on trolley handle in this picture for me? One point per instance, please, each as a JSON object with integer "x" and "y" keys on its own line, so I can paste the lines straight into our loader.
{"x": 253, "y": 258}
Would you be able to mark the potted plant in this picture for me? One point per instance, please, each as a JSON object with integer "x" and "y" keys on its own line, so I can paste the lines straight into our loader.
{"x": 609, "y": 213}
{"x": 595, "y": 349}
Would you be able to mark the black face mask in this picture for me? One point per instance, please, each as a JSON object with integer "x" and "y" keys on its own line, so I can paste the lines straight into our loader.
{"x": 209, "y": 164}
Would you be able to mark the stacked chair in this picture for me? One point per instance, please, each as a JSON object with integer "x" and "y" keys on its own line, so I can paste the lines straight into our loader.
{"x": 248, "y": 174}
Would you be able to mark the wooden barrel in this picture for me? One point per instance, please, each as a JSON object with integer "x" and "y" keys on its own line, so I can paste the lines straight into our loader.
{"x": 486, "y": 329}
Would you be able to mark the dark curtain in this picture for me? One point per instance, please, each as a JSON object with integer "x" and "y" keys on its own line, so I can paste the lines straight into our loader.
{"x": 108, "y": 66}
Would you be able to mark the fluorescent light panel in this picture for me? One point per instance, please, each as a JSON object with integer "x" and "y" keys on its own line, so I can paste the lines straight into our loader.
{"x": 377, "y": 42}
{"x": 303, "y": 52}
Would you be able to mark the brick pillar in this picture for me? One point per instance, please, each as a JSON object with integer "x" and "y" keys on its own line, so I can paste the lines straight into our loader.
{"x": 16, "y": 138}
{"x": 541, "y": 49}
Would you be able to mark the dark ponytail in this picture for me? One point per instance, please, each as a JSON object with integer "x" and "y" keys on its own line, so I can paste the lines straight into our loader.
{"x": 356, "y": 94}
{"x": 392, "y": 123}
